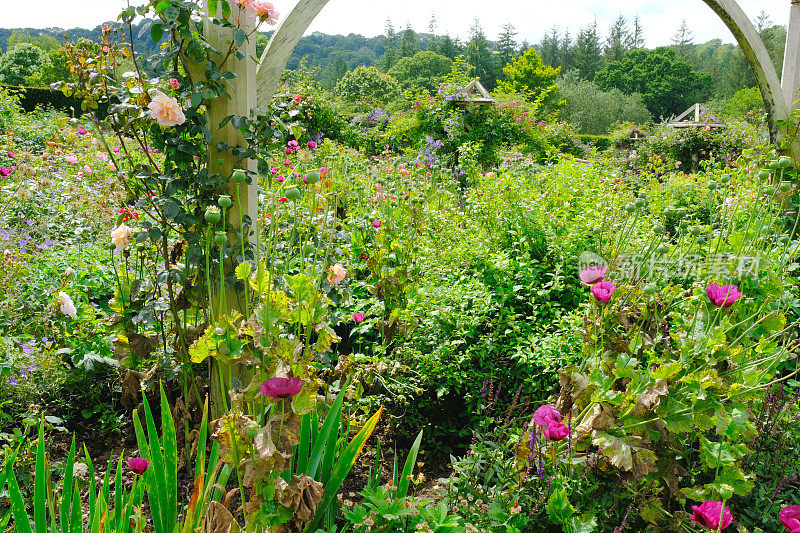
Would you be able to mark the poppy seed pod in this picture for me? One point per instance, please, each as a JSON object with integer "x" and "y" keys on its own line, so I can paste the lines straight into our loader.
{"x": 213, "y": 215}
{"x": 225, "y": 202}
{"x": 239, "y": 176}
{"x": 220, "y": 238}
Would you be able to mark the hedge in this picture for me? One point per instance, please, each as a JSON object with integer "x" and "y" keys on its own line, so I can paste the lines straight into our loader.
{"x": 31, "y": 97}
{"x": 601, "y": 142}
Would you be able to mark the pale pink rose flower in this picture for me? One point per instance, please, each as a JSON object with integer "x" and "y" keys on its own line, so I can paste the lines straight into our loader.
{"x": 66, "y": 305}
{"x": 121, "y": 237}
{"x": 166, "y": 110}
{"x": 265, "y": 11}
{"x": 102, "y": 156}
{"x": 87, "y": 169}
{"x": 70, "y": 159}
{"x": 336, "y": 274}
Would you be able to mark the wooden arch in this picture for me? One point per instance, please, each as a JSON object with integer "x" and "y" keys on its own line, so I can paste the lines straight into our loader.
{"x": 275, "y": 57}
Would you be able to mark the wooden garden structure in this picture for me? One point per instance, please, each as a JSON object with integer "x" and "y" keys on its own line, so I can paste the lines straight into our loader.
{"x": 697, "y": 116}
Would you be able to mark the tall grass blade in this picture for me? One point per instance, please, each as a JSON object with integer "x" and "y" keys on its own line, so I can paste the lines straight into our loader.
{"x": 408, "y": 468}
{"x": 169, "y": 443}
{"x": 21, "y": 520}
{"x": 343, "y": 466}
{"x": 40, "y": 486}
{"x": 321, "y": 438}
{"x": 66, "y": 491}
{"x": 92, "y": 483}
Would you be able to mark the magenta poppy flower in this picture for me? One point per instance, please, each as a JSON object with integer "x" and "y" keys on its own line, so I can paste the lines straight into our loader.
{"x": 288, "y": 151}
{"x": 12, "y": 155}
{"x": 82, "y": 131}
{"x": 376, "y": 224}
{"x": 708, "y": 514}
{"x": 556, "y": 432}
{"x": 593, "y": 274}
{"x": 281, "y": 387}
{"x": 139, "y": 465}
{"x": 790, "y": 518}
{"x": 311, "y": 145}
{"x": 358, "y": 318}
{"x": 723, "y": 296}
{"x": 603, "y": 290}
{"x": 546, "y": 415}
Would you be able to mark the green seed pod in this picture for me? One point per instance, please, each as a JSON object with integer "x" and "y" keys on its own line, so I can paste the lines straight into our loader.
{"x": 658, "y": 228}
{"x": 650, "y": 289}
{"x": 220, "y": 238}
{"x": 785, "y": 186}
{"x": 293, "y": 194}
{"x": 684, "y": 224}
{"x": 630, "y": 208}
{"x": 642, "y": 195}
{"x": 312, "y": 177}
{"x": 695, "y": 232}
{"x": 774, "y": 164}
{"x": 213, "y": 215}
{"x": 669, "y": 212}
{"x": 239, "y": 176}
{"x": 784, "y": 162}
{"x": 680, "y": 213}
{"x": 662, "y": 249}
{"x": 725, "y": 178}
{"x": 597, "y": 230}
{"x": 784, "y": 240}
{"x": 308, "y": 249}
{"x": 225, "y": 202}
{"x": 640, "y": 203}
{"x": 769, "y": 190}
{"x": 763, "y": 175}
{"x": 702, "y": 240}
{"x": 711, "y": 185}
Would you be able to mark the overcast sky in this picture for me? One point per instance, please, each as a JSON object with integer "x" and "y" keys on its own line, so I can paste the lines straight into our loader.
{"x": 531, "y": 18}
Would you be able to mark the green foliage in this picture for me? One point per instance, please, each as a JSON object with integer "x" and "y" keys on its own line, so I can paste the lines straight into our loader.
{"x": 424, "y": 70}
{"x": 30, "y": 98}
{"x": 594, "y": 111}
{"x": 367, "y": 87}
{"x": 54, "y": 68}
{"x": 667, "y": 83}
{"x": 528, "y": 76}
{"x": 22, "y": 61}
{"x": 747, "y": 104}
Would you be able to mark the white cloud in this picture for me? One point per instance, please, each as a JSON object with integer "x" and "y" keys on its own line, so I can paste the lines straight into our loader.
{"x": 531, "y": 18}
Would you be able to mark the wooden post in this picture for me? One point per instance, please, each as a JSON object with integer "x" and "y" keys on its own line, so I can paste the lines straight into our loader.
{"x": 790, "y": 81}
{"x": 242, "y": 99}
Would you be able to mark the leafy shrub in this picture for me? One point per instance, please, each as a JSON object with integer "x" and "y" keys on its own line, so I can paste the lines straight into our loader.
{"x": 424, "y": 70}
{"x": 747, "y": 104}
{"x": 595, "y": 111}
{"x": 367, "y": 87}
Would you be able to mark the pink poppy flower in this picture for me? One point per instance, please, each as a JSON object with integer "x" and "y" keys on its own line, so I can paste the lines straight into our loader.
{"x": 556, "y": 432}
{"x": 281, "y": 388}
{"x": 790, "y": 518}
{"x": 139, "y": 465}
{"x": 12, "y": 155}
{"x": 593, "y": 274}
{"x": 102, "y": 156}
{"x": 280, "y": 179}
{"x": 82, "y": 131}
{"x": 546, "y": 415}
{"x": 723, "y": 296}
{"x": 603, "y": 291}
{"x": 116, "y": 150}
{"x": 358, "y": 318}
{"x": 273, "y": 170}
{"x": 376, "y": 224}
{"x": 708, "y": 514}
{"x": 288, "y": 151}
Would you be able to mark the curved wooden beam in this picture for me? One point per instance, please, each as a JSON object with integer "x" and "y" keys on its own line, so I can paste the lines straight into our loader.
{"x": 756, "y": 53}
{"x": 790, "y": 80}
{"x": 279, "y": 50}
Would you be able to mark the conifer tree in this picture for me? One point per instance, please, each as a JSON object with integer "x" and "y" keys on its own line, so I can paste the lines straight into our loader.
{"x": 618, "y": 37}
{"x": 480, "y": 56}
{"x": 588, "y": 57}
{"x": 507, "y": 46}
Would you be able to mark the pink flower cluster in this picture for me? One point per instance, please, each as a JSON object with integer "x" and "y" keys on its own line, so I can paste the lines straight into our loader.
{"x": 595, "y": 277}
{"x": 5, "y": 171}
{"x": 548, "y": 416}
